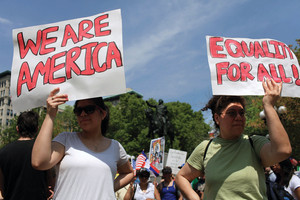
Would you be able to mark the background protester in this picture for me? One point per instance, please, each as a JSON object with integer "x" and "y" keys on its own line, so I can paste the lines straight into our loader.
{"x": 285, "y": 177}
{"x": 232, "y": 162}
{"x": 144, "y": 189}
{"x": 167, "y": 188}
{"x": 87, "y": 160}
{"x": 18, "y": 179}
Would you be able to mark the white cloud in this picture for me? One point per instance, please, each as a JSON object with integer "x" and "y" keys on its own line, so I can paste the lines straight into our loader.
{"x": 4, "y": 21}
{"x": 184, "y": 19}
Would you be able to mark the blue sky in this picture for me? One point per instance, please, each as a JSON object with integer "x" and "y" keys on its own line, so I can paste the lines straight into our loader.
{"x": 163, "y": 41}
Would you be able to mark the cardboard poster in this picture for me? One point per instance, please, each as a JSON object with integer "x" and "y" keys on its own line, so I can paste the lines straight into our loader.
{"x": 156, "y": 153}
{"x": 239, "y": 65}
{"x": 83, "y": 57}
{"x": 175, "y": 159}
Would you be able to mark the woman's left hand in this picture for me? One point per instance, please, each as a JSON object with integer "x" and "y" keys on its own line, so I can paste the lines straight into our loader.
{"x": 272, "y": 92}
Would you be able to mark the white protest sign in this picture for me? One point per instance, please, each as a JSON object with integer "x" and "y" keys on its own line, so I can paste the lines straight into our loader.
{"x": 83, "y": 57}
{"x": 175, "y": 159}
{"x": 239, "y": 65}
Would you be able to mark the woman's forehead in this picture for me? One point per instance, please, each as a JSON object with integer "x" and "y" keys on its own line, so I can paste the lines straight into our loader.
{"x": 234, "y": 106}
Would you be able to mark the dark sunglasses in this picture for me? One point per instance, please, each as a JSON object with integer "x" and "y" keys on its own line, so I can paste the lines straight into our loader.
{"x": 90, "y": 109}
{"x": 234, "y": 113}
{"x": 144, "y": 176}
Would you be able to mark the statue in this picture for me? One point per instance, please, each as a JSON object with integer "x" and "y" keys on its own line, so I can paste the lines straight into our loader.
{"x": 159, "y": 122}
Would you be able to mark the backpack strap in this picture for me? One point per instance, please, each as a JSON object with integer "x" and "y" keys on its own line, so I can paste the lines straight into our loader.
{"x": 251, "y": 142}
{"x": 206, "y": 148}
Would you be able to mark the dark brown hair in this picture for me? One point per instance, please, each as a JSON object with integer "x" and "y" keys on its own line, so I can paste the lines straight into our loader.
{"x": 28, "y": 124}
{"x": 99, "y": 102}
{"x": 218, "y": 103}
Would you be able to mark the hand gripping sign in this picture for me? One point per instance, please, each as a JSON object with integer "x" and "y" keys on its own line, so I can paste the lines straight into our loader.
{"x": 239, "y": 65}
{"x": 84, "y": 57}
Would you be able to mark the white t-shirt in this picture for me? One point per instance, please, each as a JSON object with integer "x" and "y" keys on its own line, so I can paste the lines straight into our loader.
{"x": 293, "y": 185}
{"x": 140, "y": 195}
{"x": 85, "y": 174}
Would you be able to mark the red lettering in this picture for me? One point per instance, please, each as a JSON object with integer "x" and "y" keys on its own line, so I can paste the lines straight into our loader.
{"x": 30, "y": 44}
{"x": 277, "y": 52}
{"x": 71, "y": 56}
{"x": 54, "y": 68}
{"x": 245, "y": 71}
{"x": 98, "y": 26}
{"x": 258, "y": 50}
{"x": 83, "y": 32}
{"x": 24, "y": 78}
{"x": 266, "y": 50}
{"x": 46, "y": 41}
{"x": 88, "y": 57}
{"x": 249, "y": 52}
{"x": 214, "y": 48}
{"x": 43, "y": 70}
{"x": 221, "y": 69}
{"x": 238, "y": 48}
{"x": 95, "y": 58}
{"x": 262, "y": 72}
{"x": 234, "y": 72}
{"x": 289, "y": 50}
{"x": 113, "y": 53}
{"x": 69, "y": 33}
{"x": 296, "y": 74}
{"x": 283, "y": 75}
{"x": 274, "y": 73}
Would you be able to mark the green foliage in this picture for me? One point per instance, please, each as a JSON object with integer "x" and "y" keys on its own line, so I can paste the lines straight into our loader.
{"x": 190, "y": 128}
{"x": 291, "y": 120}
{"x": 65, "y": 121}
{"x": 128, "y": 125}
{"x": 10, "y": 133}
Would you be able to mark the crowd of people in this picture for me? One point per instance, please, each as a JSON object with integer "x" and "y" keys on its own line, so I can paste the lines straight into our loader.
{"x": 229, "y": 166}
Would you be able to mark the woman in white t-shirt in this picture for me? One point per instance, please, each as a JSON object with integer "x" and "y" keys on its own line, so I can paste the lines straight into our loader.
{"x": 87, "y": 161}
{"x": 285, "y": 176}
{"x": 145, "y": 190}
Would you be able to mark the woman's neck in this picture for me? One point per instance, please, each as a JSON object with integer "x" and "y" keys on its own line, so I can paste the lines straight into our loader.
{"x": 91, "y": 135}
{"x": 25, "y": 138}
{"x": 144, "y": 185}
{"x": 168, "y": 181}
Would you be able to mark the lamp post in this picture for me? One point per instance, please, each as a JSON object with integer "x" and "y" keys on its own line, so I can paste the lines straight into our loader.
{"x": 281, "y": 110}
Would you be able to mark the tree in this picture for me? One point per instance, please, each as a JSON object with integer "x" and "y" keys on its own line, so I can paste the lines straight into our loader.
{"x": 291, "y": 120}
{"x": 9, "y": 134}
{"x": 128, "y": 125}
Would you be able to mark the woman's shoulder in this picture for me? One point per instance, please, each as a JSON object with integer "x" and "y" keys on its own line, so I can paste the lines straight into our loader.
{"x": 202, "y": 145}
{"x": 295, "y": 178}
{"x": 66, "y": 135}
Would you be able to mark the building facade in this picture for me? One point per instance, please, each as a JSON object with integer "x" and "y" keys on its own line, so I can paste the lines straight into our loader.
{"x": 6, "y": 111}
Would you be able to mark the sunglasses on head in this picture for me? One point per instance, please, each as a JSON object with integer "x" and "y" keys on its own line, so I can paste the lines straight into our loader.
{"x": 90, "y": 109}
{"x": 234, "y": 113}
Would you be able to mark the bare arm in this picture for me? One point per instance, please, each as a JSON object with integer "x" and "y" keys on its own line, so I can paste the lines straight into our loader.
{"x": 156, "y": 194}
{"x": 125, "y": 176}
{"x": 297, "y": 192}
{"x": 45, "y": 153}
{"x": 183, "y": 181}
{"x": 1, "y": 185}
{"x": 279, "y": 147}
{"x": 130, "y": 192}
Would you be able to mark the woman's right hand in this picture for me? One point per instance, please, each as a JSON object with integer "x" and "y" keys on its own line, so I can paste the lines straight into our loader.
{"x": 54, "y": 100}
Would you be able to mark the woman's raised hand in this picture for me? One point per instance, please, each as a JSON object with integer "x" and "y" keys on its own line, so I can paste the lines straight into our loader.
{"x": 272, "y": 92}
{"x": 54, "y": 100}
